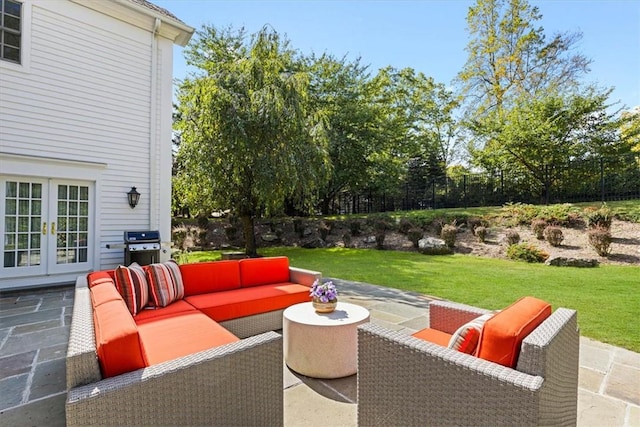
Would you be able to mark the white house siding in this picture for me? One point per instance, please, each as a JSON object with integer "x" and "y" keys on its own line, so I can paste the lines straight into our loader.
{"x": 86, "y": 97}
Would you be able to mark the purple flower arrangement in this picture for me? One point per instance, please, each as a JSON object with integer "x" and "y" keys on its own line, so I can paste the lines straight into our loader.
{"x": 324, "y": 292}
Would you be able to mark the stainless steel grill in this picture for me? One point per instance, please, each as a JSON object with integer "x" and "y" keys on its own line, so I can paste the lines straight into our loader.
{"x": 142, "y": 247}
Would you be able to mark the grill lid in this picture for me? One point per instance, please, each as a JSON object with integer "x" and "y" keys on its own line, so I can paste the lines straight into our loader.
{"x": 141, "y": 236}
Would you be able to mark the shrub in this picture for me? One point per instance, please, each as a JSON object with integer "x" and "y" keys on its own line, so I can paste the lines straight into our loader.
{"x": 186, "y": 237}
{"x": 519, "y": 213}
{"x": 538, "y": 226}
{"x": 231, "y": 231}
{"x": 474, "y": 222}
{"x": 526, "y": 252}
{"x": 553, "y": 235}
{"x": 512, "y": 237}
{"x": 381, "y": 221}
{"x": 354, "y": 226}
{"x": 414, "y": 235}
{"x": 448, "y": 234}
{"x": 298, "y": 226}
{"x": 324, "y": 229}
{"x": 346, "y": 238}
{"x": 481, "y": 233}
{"x": 405, "y": 225}
{"x": 380, "y": 235}
{"x": 600, "y": 240}
{"x": 599, "y": 218}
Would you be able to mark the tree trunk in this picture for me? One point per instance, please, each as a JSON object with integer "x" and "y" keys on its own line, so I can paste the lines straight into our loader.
{"x": 249, "y": 235}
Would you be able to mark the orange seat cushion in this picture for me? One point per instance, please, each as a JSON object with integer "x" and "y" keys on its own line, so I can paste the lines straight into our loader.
{"x": 503, "y": 333}
{"x": 170, "y": 337}
{"x": 228, "y": 305}
{"x": 205, "y": 277}
{"x": 117, "y": 341}
{"x": 263, "y": 271}
{"x": 434, "y": 336}
{"x": 149, "y": 314}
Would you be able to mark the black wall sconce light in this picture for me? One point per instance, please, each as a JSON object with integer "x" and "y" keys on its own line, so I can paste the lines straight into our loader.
{"x": 133, "y": 196}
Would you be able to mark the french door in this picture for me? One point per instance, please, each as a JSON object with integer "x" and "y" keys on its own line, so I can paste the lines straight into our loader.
{"x": 47, "y": 226}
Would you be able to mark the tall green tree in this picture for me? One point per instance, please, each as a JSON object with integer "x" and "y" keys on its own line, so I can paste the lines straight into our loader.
{"x": 509, "y": 57}
{"x": 341, "y": 91}
{"x": 542, "y": 135}
{"x": 249, "y": 139}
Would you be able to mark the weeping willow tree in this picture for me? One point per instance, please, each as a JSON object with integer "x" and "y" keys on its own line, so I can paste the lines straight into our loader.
{"x": 249, "y": 139}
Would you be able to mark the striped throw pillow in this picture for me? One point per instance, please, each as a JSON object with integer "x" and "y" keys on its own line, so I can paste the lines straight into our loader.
{"x": 165, "y": 283}
{"x": 466, "y": 338}
{"x": 131, "y": 283}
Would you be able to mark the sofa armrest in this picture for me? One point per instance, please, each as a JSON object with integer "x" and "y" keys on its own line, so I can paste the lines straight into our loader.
{"x": 240, "y": 383}
{"x": 411, "y": 382}
{"x": 82, "y": 360}
{"x": 447, "y": 316}
{"x": 303, "y": 277}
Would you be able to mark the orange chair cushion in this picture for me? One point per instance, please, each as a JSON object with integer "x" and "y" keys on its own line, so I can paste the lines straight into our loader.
{"x": 149, "y": 314}
{"x": 263, "y": 271}
{"x": 503, "y": 333}
{"x": 205, "y": 277}
{"x": 117, "y": 340}
{"x": 170, "y": 337}
{"x": 227, "y": 305}
{"x": 434, "y": 336}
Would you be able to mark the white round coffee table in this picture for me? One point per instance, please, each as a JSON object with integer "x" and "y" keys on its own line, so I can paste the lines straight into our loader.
{"x": 322, "y": 345}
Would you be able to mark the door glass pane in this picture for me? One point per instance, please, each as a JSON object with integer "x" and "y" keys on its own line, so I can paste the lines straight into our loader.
{"x": 23, "y": 207}
{"x": 10, "y": 259}
{"x": 23, "y": 241}
{"x": 11, "y": 189}
{"x": 62, "y": 192}
{"x": 23, "y": 192}
{"x": 23, "y": 224}
{"x": 72, "y": 216}
{"x": 36, "y": 191}
{"x": 35, "y": 224}
{"x": 35, "y": 240}
{"x": 22, "y": 220}
{"x": 9, "y": 241}
{"x": 10, "y": 208}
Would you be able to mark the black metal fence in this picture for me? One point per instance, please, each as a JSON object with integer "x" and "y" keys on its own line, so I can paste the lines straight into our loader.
{"x": 599, "y": 179}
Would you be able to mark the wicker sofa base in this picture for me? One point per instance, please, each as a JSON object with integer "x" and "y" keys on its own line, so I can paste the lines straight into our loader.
{"x": 240, "y": 383}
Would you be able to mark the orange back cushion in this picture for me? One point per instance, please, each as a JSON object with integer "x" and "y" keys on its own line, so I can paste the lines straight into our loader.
{"x": 104, "y": 291}
{"x": 117, "y": 340}
{"x": 204, "y": 277}
{"x": 98, "y": 277}
{"x": 503, "y": 333}
{"x": 263, "y": 271}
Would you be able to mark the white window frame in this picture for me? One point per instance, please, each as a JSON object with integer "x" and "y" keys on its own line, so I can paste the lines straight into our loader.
{"x": 25, "y": 41}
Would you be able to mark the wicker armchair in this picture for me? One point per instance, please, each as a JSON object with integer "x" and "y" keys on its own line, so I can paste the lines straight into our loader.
{"x": 238, "y": 384}
{"x": 405, "y": 381}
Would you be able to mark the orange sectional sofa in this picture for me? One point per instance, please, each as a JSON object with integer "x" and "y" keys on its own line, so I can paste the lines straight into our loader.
{"x": 217, "y": 342}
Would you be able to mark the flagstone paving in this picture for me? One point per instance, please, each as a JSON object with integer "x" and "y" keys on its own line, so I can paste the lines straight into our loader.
{"x": 34, "y": 330}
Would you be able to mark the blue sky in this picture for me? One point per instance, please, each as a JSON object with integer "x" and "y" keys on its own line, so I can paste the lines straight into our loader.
{"x": 427, "y": 35}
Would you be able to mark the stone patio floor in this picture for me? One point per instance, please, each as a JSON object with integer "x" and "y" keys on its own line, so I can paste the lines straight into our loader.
{"x": 34, "y": 330}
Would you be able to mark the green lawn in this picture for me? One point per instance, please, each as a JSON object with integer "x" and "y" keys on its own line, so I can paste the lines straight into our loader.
{"x": 606, "y": 298}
